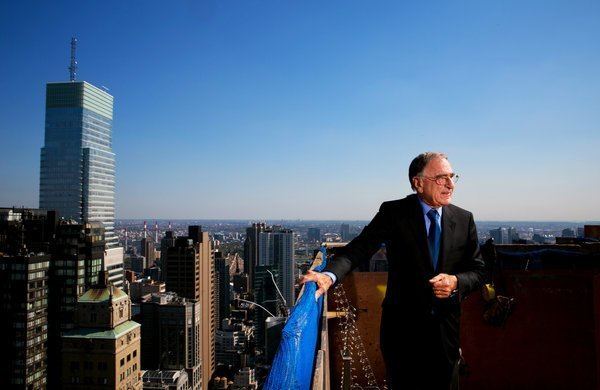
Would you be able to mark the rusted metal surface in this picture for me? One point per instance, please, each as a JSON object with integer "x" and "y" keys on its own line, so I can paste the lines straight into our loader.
{"x": 550, "y": 341}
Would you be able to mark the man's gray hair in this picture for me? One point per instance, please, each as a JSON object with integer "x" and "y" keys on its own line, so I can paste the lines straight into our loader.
{"x": 419, "y": 163}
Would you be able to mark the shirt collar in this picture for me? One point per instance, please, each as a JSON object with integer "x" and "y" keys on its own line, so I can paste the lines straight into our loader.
{"x": 427, "y": 207}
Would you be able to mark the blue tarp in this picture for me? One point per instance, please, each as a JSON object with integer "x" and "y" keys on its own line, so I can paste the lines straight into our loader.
{"x": 293, "y": 365}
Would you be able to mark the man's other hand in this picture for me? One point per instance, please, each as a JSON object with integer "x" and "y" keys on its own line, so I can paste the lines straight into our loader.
{"x": 323, "y": 281}
{"x": 443, "y": 285}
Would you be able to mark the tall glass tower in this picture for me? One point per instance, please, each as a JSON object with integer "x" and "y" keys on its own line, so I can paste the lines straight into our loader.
{"x": 77, "y": 172}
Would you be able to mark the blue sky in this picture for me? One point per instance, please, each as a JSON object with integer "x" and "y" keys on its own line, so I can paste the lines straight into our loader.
{"x": 312, "y": 109}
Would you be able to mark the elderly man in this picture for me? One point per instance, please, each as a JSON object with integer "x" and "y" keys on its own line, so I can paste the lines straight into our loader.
{"x": 433, "y": 263}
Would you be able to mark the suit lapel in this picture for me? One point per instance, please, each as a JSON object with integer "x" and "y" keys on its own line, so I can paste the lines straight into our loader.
{"x": 448, "y": 225}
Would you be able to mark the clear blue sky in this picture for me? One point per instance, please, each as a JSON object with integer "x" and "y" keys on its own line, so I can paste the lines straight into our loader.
{"x": 314, "y": 109}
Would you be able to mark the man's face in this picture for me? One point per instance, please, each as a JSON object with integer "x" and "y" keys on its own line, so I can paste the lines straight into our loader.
{"x": 435, "y": 195}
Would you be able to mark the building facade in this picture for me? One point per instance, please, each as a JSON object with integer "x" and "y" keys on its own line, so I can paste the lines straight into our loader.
{"x": 77, "y": 165}
{"x": 189, "y": 271}
{"x": 223, "y": 296}
{"x": 172, "y": 336}
{"x": 103, "y": 351}
{"x": 23, "y": 322}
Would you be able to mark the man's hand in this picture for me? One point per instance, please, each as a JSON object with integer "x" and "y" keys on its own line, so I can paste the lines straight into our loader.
{"x": 443, "y": 285}
{"x": 323, "y": 281}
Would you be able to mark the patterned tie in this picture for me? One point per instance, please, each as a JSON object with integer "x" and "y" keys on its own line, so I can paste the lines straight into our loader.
{"x": 433, "y": 237}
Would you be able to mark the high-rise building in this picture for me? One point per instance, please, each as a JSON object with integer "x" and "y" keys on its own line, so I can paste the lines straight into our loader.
{"x": 190, "y": 272}
{"x": 148, "y": 248}
{"x": 168, "y": 241}
{"x": 345, "y": 232}
{"x": 512, "y": 235}
{"x": 77, "y": 170}
{"x": 103, "y": 351}
{"x": 77, "y": 163}
{"x": 77, "y": 256}
{"x": 251, "y": 251}
{"x": 25, "y": 237}
{"x": 222, "y": 286}
{"x": 276, "y": 249}
{"x": 181, "y": 270}
{"x": 207, "y": 298}
{"x": 499, "y": 235}
{"x": 314, "y": 235}
{"x": 265, "y": 294}
{"x": 172, "y": 336}
{"x": 23, "y": 320}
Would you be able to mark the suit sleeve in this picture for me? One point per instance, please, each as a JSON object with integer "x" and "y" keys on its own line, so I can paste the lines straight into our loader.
{"x": 472, "y": 272}
{"x": 361, "y": 248}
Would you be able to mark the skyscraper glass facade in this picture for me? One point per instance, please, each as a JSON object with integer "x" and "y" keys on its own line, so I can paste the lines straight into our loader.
{"x": 77, "y": 169}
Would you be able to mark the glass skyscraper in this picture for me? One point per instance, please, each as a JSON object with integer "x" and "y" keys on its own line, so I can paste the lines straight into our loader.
{"x": 77, "y": 172}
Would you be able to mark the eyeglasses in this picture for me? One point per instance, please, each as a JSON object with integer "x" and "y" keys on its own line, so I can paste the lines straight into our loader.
{"x": 443, "y": 179}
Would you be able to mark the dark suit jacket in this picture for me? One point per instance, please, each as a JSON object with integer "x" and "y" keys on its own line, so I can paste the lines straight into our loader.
{"x": 400, "y": 225}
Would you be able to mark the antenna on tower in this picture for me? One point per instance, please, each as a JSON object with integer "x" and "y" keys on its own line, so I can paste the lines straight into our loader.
{"x": 73, "y": 66}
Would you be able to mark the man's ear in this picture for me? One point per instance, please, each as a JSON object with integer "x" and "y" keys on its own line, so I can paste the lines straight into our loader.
{"x": 417, "y": 185}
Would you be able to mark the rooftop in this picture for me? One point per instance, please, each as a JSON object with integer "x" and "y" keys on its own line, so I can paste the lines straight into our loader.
{"x": 97, "y": 333}
{"x": 102, "y": 294}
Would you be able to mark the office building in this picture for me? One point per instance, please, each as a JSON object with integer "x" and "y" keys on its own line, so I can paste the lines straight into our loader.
{"x": 142, "y": 288}
{"x": 103, "y": 351}
{"x": 232, "y": 342}
{"x": 499, "y": 235}
{"x": 172, "y": 336}
{"x": 512, "y": 235}
{"x": 265, "y": 294}
{"x": 345, "y": 232}
{"x": 77, "y": 169}
{"x": 23, "y": 319}
{"x": 223, "y": 296}
{"x": 245, "y": 379}
{"x": 313, "y": 235}
{"x": 251, "y": 251}
{"x": 276, "y": 249}
{"x": 189, "y": 271}
{"x": 168, "y": 241}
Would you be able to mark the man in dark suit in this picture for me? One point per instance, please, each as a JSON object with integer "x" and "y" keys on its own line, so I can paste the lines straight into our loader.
{"x": 433, "y": 263}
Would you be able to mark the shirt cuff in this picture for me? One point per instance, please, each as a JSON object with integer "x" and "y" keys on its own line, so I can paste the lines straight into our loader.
{"x": 331, "y": 275}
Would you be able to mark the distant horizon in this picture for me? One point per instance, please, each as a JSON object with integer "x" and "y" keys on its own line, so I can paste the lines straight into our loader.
{"x": 166, "y": 219}
{"x": 333, "y": 220}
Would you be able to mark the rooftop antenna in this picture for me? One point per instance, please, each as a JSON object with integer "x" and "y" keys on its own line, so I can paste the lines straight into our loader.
{"x": 73, "y": 66}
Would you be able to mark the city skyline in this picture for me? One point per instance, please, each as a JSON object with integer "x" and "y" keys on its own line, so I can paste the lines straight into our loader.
{"x": 269, "y": 99}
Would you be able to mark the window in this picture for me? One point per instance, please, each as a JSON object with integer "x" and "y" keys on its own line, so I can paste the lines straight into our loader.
{"x": 122, "y": 362}
{"x": 128, "y": 357}
{"x": 134, "y": 352}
